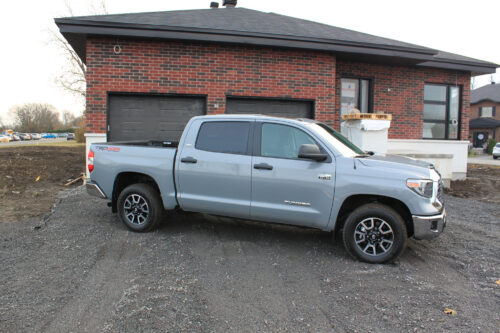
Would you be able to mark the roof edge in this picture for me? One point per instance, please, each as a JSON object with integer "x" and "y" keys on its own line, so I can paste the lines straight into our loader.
{"x": 484, "y": 100}
{"x": 475, "y": 69}
{"x": 92, "y": 24}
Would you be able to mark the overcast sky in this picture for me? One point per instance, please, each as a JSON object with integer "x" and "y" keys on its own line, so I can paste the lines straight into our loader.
{"x": 29, "y": 63}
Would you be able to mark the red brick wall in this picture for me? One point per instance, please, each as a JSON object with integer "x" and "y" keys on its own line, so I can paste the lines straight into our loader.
{"x": 220, "y": 70}
{"x": 399, "y": 90}
{"x": 212, "y": 70}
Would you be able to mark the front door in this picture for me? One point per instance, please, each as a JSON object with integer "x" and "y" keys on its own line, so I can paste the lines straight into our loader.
{"x": 213, "y": 169}
{"x": 287, "y": 189}
{"x": 480, "y": 138}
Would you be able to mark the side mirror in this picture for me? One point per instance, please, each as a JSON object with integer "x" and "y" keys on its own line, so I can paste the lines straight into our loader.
{"x": 312, "y": 152}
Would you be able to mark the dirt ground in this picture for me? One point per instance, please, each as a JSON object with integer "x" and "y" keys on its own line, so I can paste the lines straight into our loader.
{"x": 21, "y": 195}
{"x": 482, "y": 183}
{"x": 80, "y": 270}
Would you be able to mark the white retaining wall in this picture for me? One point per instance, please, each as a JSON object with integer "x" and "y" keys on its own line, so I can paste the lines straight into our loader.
{"x": 449, "y": 156}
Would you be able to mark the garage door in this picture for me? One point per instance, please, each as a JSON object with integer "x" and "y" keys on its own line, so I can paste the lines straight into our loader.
{"x": 151, "y": 117}
{"x": 278, "y": 108}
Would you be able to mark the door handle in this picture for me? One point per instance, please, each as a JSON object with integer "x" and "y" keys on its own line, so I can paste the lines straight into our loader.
{"x": 263, "y": 166}
{"x": 189, "y": 159}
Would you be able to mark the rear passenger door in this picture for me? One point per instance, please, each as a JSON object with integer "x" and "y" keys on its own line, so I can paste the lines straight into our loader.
{"x": 214, "y": 168}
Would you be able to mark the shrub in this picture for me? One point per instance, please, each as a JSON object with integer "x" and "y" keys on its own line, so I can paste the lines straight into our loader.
{"x": 491, "y": 144}
{"x": 80, "y": 134}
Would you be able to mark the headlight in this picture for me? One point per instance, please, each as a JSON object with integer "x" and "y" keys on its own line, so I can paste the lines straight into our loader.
{"x": 422, "y": 187}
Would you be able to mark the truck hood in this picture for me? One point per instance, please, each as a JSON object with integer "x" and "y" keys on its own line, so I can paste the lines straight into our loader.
{"x": 397, "y": 162}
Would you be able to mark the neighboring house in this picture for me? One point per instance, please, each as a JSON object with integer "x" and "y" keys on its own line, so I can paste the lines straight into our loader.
{"x": 485, "y": 114}
{"x": 148, "y": 73}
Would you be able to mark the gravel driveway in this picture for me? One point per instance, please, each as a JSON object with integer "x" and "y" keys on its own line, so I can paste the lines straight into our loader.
{"x": 81, "y": 270}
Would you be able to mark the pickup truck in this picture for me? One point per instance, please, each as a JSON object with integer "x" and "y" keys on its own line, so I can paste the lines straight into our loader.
{"x": 291, "y": 171}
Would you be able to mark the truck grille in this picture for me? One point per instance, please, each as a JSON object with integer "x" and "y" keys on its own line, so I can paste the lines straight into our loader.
{"x": 440, "y": 192}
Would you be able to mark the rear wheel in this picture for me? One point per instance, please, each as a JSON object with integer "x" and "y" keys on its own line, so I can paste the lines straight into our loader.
{"x": 140, "y": 207}
{"x": 375, "y": 233}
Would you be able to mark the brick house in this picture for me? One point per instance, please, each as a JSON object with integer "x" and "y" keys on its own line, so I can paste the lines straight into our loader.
{"x": 148, "y": 73}
{"x": 485, "y": 114}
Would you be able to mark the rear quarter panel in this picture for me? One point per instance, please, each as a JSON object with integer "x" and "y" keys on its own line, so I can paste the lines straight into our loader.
{"x": 111, "y": 160}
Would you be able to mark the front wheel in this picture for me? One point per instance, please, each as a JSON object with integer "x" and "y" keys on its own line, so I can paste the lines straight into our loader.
{"x": 375, "y": 233}
{"x": 140, "y": 207}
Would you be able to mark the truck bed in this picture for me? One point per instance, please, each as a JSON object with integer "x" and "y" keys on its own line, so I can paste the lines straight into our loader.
{"x": 154, "y": 159}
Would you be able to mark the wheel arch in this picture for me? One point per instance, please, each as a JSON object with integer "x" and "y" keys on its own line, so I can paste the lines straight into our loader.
{"x": 125, "y": 179}
{"x": 354, "y": 201}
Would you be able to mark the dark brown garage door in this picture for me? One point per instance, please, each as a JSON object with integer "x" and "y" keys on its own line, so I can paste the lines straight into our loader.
{"x": 133, "y": 117}
{"x": 278, "y": 108}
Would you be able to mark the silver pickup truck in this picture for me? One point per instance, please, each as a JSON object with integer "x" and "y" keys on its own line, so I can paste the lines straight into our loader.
{"x": 292, "y": 171}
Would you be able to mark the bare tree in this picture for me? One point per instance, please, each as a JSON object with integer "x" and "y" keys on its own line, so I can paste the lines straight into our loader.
{"x": 72, "y": 77}
{"x": 35, "y": 117}
{"x": 68, "y": 118}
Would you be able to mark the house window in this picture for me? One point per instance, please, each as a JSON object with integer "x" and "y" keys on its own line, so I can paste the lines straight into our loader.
{"x": 355, "y": 94}
{"x": 441, "y": 111}
{"x": 487, "y": 111}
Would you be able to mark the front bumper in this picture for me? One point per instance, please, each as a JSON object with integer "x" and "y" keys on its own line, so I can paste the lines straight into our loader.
{"x": 428, "y": 227}
{"x": 94, "y": 190}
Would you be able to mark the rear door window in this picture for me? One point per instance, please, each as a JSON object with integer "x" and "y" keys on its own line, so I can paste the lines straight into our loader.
{"x": 224, "y": 137}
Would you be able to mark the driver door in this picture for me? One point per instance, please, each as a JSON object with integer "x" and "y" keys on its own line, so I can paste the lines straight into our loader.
{"x": 287, "y": 189}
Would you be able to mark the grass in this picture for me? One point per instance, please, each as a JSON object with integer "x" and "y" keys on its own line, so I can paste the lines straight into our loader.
{"x": 46, "y": 144}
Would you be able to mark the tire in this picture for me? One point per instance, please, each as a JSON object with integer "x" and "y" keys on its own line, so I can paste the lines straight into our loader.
{"x": 140, "y": 207}
{"x": 495, "y": 157}
{"x": 375, "y": 233}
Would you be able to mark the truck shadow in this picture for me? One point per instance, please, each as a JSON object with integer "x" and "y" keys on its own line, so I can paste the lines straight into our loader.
{"x": 203, "y": 230}
{"x": 209, "y": 228}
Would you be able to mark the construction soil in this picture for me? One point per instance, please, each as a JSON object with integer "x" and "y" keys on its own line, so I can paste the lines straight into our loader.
{"x": 31, "y": 178}
{"x": 482, "y": 184}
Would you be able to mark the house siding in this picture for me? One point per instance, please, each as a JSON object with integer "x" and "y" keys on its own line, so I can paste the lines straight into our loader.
{"x": 217, "y": 71}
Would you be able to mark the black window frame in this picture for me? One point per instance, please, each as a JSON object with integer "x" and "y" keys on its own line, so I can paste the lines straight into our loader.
{"x": 248, "y": 151}
{"x": 370, "y": 91}
{"x": 257, "y": 141}
{"x": 447, "y": 104}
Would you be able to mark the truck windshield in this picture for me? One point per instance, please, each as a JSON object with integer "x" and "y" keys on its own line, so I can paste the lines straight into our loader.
{"x": 337, "y": 140}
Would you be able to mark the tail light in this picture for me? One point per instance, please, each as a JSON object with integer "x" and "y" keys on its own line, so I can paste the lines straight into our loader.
{"x": 90, "y": 161}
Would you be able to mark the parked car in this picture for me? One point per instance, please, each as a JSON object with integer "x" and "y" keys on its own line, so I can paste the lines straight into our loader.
{"x": 70, "y": 136}
{"x": 62, "y": 135}
{"x": 14, "y": 137}
{"x": 279, "y": 170}
{"x": 49, "y": 136}
{"x": 4, "y": 138}
{"x": 496, "y": 151}
{"x": 36, "y": 136}
{"x": 25, "y": 136}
